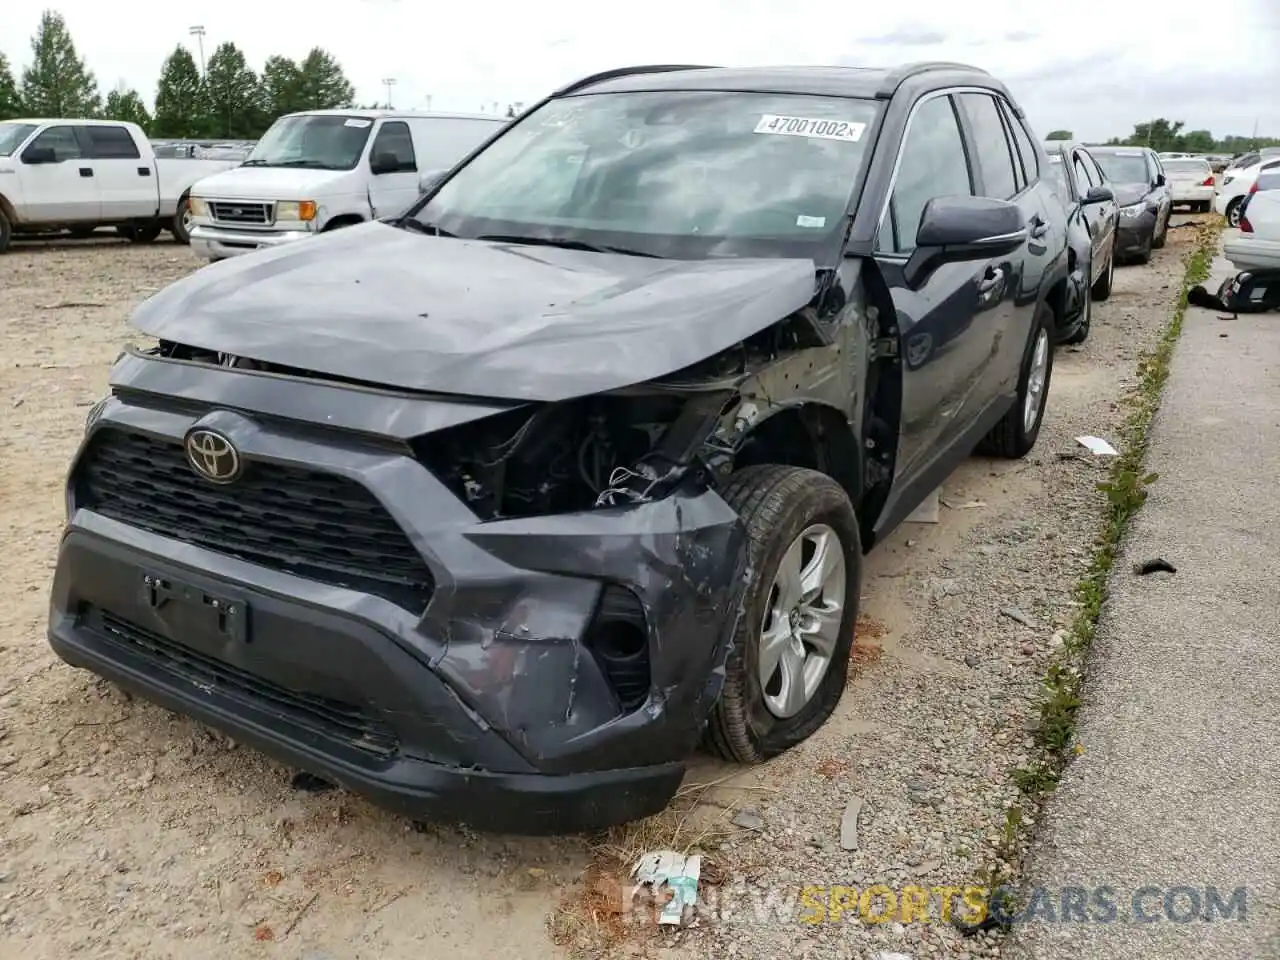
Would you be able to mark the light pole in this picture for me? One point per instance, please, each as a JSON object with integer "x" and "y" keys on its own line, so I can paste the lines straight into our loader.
{"x": 428, "y": 103}
{"x": 389, "y": 82}
{"x": 198, "y": 33}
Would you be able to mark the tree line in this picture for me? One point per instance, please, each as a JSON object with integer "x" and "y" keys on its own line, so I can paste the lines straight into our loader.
{"x": 230, "y": 101}
{"x": 1163, "y": 136}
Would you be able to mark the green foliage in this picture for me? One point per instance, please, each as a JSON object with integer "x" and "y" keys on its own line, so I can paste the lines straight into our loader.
{"x": 321, "y": 83}
{"x": 57, "y": 83}
{"x": 278, "y": 91}
{"x": 1060, "y": 135}
{"x": 10, "y": 103}
{"x": 179, "y": 97}
{"x": 1166, "y": 135}
{"x": 127, "y": 106}
{"x": 231, "y": 95}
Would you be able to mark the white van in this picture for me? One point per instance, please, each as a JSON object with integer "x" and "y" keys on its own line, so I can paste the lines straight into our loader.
{"x": 324, "y": 169}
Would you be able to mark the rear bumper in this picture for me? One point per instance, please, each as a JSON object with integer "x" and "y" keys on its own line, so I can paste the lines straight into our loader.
{"x": 1254, "y": 255}
{"x": 217, "y": 243}
{"x": 492, "y": 706}
{"x": 1196, "y": 194}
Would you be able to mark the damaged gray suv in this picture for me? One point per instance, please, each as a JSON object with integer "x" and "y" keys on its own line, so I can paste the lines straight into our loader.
{"x": 495, "y": 510}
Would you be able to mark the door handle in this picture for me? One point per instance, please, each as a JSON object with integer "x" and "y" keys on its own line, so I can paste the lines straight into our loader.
{"x": 86, "y": 171}
{"x": 991, "y": 286}
{"x": 144, "y": 171}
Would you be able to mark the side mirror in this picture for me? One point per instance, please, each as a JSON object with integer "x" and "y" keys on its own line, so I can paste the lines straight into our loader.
{"x": 1101, "y": 194}
{"x": 954, "y": 229}
{"x": 381, "y": 163}
{"x": 428, "y": 181}
{"x": 1160, "y": 180}
{"x": 34, "y": 154}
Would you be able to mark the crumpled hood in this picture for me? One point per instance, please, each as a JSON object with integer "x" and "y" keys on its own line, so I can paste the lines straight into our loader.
{"x": 384, "y": 305}
{"x": 1129, "y": 193}
{"x": 266, "y": 183}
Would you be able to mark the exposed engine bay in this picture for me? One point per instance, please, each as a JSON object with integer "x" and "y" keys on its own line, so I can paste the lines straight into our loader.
{"x": 598, "y": 451}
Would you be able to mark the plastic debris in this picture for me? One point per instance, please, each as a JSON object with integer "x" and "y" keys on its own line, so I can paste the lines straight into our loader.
{"x": 1158, "y": 565}
{"x": 678, "y": 874}
{"x": 849, "y": 824}
{"x": 1097, "y": 446}
{"x": 927, "y": 512}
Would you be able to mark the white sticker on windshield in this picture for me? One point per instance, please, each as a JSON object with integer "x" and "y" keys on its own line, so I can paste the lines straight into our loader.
{"x": 357, "y": 122}
{"x": 803, "y": 221}
{"x": 810, "y": 127}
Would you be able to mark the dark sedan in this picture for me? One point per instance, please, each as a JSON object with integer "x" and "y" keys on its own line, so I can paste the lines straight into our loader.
{"x": 1092, "y": 216}
{"x": 1142, "y": 190}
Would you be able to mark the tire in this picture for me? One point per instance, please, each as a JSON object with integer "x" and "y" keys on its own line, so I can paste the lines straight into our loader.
{"x": 82, "y": 233}
{"x": 1101, "y": 288}
{"x": 1233, "y": 212}
{"x": 779, "y": 506}
{"x": 1083, "y": 324}
{"x": 181, "y": 226}
{"x": 6, "y": 232}
{"x": 145, "y": 233}
{"x": 1157, "y": 240}
{"x": 1013, "y": 438}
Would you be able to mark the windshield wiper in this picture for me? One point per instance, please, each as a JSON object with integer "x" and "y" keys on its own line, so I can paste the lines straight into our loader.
{"x": 256, "y": 163}
{"x": 430, "y": 229}
{"x": 565, "y": 244}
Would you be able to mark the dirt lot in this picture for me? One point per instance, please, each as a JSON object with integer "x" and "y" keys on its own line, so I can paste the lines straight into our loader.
{"x": 127, "y": 831}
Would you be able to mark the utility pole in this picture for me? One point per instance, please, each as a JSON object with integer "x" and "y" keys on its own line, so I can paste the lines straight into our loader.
{"x": 428, "y": 103}
{"x": 389, "y": 82}
{"x": 198, "y": 33}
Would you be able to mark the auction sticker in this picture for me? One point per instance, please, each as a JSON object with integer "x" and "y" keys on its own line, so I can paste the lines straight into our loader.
{"x": 357, "y": 122}
{"x": 810, "y": 127}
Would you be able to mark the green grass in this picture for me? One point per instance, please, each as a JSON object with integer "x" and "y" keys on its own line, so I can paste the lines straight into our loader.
{"x": 1125, "y": 490}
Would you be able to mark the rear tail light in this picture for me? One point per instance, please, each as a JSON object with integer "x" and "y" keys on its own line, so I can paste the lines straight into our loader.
{"x": 1245, "y": 225}
{"x": 1208, "y": 181}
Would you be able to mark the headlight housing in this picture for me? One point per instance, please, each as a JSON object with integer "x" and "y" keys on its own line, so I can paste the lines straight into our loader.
{"x": 198, "y": 206}
{"x": 303, "y": 211}
{"x": 1134, "y": 210}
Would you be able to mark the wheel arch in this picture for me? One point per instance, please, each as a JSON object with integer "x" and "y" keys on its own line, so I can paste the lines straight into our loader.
{"x": 342, "y": 220}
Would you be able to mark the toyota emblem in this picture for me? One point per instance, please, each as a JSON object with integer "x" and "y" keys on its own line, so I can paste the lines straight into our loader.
{"x": 213, "y": 456}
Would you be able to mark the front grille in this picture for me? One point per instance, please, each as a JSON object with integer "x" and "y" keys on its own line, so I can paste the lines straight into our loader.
{"x": 232, "y": 211}
{"x": 342, "y": 722}
{"x": 305, "y": 522}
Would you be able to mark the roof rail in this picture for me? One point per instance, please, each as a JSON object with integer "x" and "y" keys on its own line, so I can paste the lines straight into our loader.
{"x": 627, "y": 72}
{"x": 898, "y": 75}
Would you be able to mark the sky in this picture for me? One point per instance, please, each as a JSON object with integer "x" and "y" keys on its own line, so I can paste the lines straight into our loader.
{"x": 1095, "y": 67}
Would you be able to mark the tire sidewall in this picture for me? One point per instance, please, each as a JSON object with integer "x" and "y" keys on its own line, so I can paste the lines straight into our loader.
{"x": 826, "y": 503}
{"x": 179, "y": 231}
{"x": 1043, "y": 321}
{"x": 1233, "y": 213}
{"x": 6, "y": 232}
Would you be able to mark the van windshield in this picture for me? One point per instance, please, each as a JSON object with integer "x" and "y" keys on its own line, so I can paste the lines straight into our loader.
{"x": 683, "y": 174}
{"x": 321, "y": 142}
{"x": 12, "y": 135}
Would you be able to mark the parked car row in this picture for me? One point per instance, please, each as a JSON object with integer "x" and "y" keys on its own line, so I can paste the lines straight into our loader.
{"x": 1257, "y": 247}
{"x": 522, "y": 488}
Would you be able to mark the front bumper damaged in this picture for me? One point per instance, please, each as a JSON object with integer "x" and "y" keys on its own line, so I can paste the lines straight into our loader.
{"x": 554, "y": 679}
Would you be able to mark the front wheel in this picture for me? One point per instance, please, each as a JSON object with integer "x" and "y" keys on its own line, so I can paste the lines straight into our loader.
{"x": 181, "y": 227}
{"x": 1085, "y": 321}
{"x": 1016, "y": 433}
{"x": 790, "y": 658}
{"x": 6, "y": 232}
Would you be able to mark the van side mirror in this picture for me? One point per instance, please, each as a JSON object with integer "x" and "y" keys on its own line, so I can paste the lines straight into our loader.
{"x": 34, "y": 154}
{"x": 954, "y": 229}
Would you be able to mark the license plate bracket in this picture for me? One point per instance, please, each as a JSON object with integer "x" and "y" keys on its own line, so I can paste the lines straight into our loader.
{"x": 226, "y": 615}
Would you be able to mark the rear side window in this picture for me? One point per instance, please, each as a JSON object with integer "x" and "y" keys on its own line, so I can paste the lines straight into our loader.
{"x": 933, "y": 164}
{"x": 443, "y": 142}
{"x": 61, "y": 140}
{"x": 995, "y": 153}
{"x": 1269, "y": 178}
{"x": 393, "y": 140}
{"x": 111, "y": 143}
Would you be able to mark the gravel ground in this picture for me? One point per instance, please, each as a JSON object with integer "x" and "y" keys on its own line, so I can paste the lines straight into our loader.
{"x": 127, "y": 831}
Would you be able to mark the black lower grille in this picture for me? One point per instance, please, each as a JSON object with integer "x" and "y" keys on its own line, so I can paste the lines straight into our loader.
{"x": 316, "y": 525}
{"x": 619, "y": 639}
{"x": 332, "y": 719}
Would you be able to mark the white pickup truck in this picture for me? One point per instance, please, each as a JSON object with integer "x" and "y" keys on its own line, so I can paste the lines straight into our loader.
{"x": 323, "y": 169}
{"x": 78, "y": 175}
